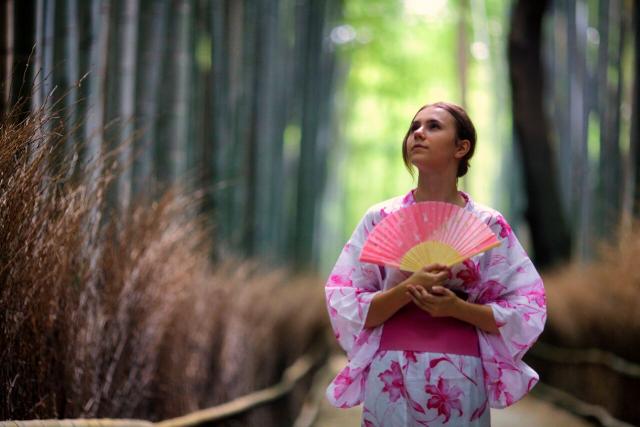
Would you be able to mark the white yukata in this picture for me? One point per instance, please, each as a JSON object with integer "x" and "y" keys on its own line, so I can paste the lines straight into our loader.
{"x": 407, "y": 388}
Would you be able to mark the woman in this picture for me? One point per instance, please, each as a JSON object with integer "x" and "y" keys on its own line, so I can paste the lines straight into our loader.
{"x": 442, "y": 345}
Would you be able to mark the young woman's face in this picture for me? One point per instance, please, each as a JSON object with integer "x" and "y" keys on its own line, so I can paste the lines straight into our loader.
{"x": 431, "y": 144}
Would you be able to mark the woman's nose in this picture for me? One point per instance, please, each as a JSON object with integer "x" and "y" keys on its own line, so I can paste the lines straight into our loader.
{"x": 419, "y": 133}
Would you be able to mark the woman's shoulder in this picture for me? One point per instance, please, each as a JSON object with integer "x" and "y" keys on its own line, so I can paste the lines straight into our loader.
{"x": 379, "y": 210}
{"x": 485, "y": 212}
{"x": 493, "y": 218}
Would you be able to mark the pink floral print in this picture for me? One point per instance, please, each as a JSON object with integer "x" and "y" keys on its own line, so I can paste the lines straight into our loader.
{"x": 470, "y": 275}
{"x": 402, "y": 388}
{"x": 444, "y": 398}
{"x": 505, "y": 229}
{"x": 393, "y": 382}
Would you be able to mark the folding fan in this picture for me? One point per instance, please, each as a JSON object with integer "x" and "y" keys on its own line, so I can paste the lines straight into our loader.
{"x": 425, "y": 233}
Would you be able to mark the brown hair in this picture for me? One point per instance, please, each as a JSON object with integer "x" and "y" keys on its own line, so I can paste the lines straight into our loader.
{"x": 464, "y": 130}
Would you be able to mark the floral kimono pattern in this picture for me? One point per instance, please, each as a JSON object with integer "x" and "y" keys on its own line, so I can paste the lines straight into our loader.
{"x": 401, "y": 388}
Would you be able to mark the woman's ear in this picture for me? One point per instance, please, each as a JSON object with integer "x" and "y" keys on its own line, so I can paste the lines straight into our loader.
{"x": 464, "y": 145}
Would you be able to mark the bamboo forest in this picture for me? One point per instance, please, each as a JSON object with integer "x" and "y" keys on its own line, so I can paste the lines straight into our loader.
{"x": 205, "y": 212}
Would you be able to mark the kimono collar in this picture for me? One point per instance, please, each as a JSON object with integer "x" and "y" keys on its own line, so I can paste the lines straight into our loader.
{"x": 409, "y": 199}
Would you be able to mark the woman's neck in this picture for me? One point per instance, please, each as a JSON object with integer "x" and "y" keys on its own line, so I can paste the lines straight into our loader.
{"x": 434, "y": 189}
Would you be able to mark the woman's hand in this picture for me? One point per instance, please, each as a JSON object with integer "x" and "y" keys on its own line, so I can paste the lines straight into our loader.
{"x": 444, "y": 302}
{"x": 386, "y": 303}
{"x": 438, "y": 303}
{"x": 429, "y": 276}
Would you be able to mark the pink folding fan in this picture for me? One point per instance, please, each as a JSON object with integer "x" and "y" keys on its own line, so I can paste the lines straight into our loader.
{"x": 425, "y": 233}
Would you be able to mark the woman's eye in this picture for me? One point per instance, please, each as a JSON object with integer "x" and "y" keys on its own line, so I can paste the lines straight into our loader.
{"x": 433, "y": 126}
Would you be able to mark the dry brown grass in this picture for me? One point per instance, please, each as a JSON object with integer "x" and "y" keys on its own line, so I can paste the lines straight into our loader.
{"x": 598, "y": 304}
{"x": 130, "y": 318}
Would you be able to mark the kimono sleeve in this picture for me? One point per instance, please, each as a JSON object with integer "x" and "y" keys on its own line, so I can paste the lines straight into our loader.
{"x": 349, "y": 290}
{"x": 514, "y": 290}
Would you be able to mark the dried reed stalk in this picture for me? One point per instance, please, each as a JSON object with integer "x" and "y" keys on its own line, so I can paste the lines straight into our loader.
{"x": 130, "y": 318}
{"x": 597, "y": 304}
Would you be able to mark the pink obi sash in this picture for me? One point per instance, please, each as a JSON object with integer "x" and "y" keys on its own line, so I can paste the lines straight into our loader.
{"x": 413, "y": 329}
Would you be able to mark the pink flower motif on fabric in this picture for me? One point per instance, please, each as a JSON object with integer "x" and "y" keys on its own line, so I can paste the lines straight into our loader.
{"x": 383, "y": 213}
{"x": 498, "y": 388}
{"x": 427, "y": 373}
{"x": 411, "y": 356}
{"x": 505, "y": 227}
{"x": 447, "y": 358}
{"x": 444, "y": 398}
{"x": 538, "y": 296}
{"x": 497, "y": 259}
{"x": 505, "y": 304}
{"x": 502, "y": 365}
{"x": 340, "y": 280}
{"x": 332, "y": 311}
{"x": 364, "y": 336}
{"x": 393, "y": 381}
{"x": 341, "y": 276}
{"x": 491, "y": 290}
{"x": 342, "y": 382}
{"x": 470, "y": 274}
{"x": 477, "y": 413}
{"x": 407, "y": 198}
{"x": 519, "y": 345}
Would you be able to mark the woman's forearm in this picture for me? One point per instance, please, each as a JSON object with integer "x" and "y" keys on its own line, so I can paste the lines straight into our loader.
{"x": 478, "y": 315}
{"x": 385, "y": 304}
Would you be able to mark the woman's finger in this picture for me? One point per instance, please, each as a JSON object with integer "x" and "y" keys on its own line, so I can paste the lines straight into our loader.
{"x": 417, "y": 295}
{"x": 439, "y": 290}
{"x": 413, "y": 293}
{"x": 442, "y": 276}
{"x": 425, "y": 295}
{"x": 421, "y": 293}
{"x": 433, "y": 267}
{"x": 417, "y": 302}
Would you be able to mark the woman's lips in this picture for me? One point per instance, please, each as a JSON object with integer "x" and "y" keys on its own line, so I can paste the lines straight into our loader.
{"x": 417, "y": 147}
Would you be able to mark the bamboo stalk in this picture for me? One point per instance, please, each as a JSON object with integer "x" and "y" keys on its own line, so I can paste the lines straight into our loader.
{"x": 36, "y": 68}
{"x": 93, "y": 163}
{"x": 6, "y": 17}
{"x": 179, "y": 127}
{"x": 48, "y": 35}
{"x": 635, "y": 114}
{"x": 96, "y": 84}
{"x": 126, "y": 98}
{"x": 152, "y": 42}
{"x": 71, "y": 71}
{"x": 222, "y": 54}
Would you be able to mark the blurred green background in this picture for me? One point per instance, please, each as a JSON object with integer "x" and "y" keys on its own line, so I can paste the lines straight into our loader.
{"x": 398, "y": 56}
